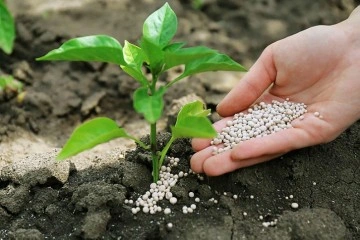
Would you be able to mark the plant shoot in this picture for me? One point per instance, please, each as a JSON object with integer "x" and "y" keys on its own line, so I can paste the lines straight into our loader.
{"x": 157, "y": 53}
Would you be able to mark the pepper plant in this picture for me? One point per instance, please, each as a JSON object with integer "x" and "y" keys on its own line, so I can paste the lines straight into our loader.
{"x": 157, "y": 53}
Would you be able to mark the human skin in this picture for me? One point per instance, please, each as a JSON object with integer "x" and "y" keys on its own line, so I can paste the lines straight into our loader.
{"x": 320, "y": 67}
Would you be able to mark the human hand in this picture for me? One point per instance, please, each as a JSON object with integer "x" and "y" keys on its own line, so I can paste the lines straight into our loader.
{"x": 319, "y": 67}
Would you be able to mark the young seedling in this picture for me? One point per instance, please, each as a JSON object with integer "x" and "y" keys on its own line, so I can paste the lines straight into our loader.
{"x": 158, "y": 54}
{"x": 9, "y": 84}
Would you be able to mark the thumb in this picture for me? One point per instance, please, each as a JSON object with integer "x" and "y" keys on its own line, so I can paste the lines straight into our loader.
{"x": 251, "y": 86}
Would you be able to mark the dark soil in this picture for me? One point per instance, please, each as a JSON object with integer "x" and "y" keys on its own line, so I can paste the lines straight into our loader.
{"x": 324, "y": 180}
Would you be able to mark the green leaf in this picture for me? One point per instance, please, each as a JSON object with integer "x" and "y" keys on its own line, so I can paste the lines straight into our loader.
{"x": 134, "y": 58}
{"x": 151, "y": 106}
{"x": 7, "y": 29}
{"x": 97, "y": 48}
{"x": 214, "y": 62}
{"x": 133, "y": 55}
{"x": 186, "y": 55}
{"x": 9, "y": 83}
{"x": 154, "y": 55}
{"x": 192, "y": 122}
{"x": 194, "y": 127}
{"x": 4, "y": 80}
{"x": 174, "y": 46}
{"x": 195, "y": 108}
{"x": 160, "y": 27}
{"x": 89, "y": 134}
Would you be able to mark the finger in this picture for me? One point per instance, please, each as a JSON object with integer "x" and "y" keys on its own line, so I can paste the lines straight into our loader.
{"x": 198, "y": 159}
{"x": 201, "y": 143}
{"x": 222, "y": 163}
{"x": 260, "y": 76}
{"x": 215, "y": 165}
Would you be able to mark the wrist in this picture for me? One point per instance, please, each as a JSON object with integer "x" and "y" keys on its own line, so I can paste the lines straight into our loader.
{"x": 350, "y": 27}
{"x": 355, "y": 13}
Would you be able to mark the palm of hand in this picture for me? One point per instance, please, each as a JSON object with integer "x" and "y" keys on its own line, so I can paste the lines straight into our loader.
{"x": 318, "y": 67}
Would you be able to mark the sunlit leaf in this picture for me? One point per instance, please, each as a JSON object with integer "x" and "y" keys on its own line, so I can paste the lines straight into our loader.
{"x": 154, "y": 56}
{"x": 161, "y": 26}
{"x": 97, "y": 48}
{"x": 7, "y": 29}
{"x": 134, "y": 58}
{"x": 192, "y": 122}
{"x": 133, "y": 55}
{"x": 186, "y": 55}
{"x": 194, "y": 127}
{"x": 151, "y": 106}
{"x": 9, "y": 83}
{"x": 89, "y": 134}
{"x": 214, "y": 62}
{"x": 195, "y": 108}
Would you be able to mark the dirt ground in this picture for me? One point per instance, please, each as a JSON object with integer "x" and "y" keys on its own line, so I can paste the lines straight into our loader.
{"x": 83, "y": 198}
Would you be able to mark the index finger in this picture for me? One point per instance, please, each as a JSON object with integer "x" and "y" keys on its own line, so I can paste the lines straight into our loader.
{"x": 260, "y": 76}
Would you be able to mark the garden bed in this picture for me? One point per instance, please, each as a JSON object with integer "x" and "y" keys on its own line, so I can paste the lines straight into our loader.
{"x": 85, "y": 197}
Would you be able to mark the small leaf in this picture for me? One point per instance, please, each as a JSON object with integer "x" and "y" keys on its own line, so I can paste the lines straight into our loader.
{"x": 7, "y": 29}
{"x": 9, "y": 83}
{"x": 194, "y": 127}
{"x": 97, "y": 48}
{"x": 160, "y": 27}
{"x": 134, "y": 57}
{"x": 151, "y": 106}
{"x": 214, "y": 62}
{"x": 89, "y": 134}
{"x": 186, "y": 55}
{"x": 4, "y": 81}
{"x": 192, "y": 122}
{"x": 154, "y": 55}
{"x": 195, "y": 108}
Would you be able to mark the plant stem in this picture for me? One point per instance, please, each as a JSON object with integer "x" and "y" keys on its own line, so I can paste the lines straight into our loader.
{"x": 153, "y": 140}
{"x": 154, "y": 156}
{"x": 153, "y": 83}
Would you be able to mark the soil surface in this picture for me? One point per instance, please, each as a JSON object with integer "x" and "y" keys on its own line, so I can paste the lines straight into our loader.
{"x": 83, "y": 198}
